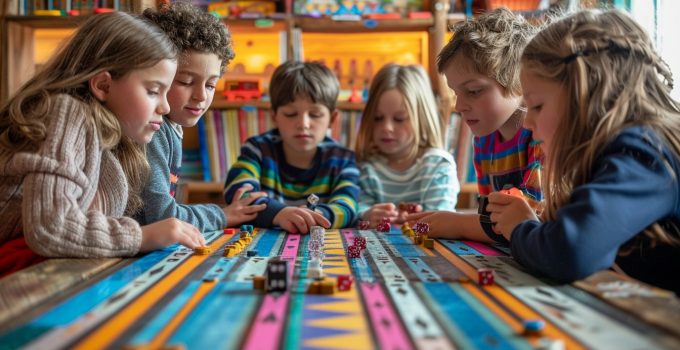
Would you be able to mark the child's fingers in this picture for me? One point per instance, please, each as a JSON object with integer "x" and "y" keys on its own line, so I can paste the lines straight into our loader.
{"x": 418, "y": 216}
{"x": 251, "y": 209}
{"x": 500, "y": 198}
{"x": 321, "y": 220}
{"x": 242, "y": 190}
{"x": 252, "y": 196}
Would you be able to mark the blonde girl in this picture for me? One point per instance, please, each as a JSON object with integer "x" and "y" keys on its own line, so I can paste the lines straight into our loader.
{"x": 400, "y": 149}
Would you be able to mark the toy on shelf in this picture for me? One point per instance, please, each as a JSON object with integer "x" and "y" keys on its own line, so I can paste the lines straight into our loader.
{"x": 242, "y": 9}
{"x": 242, "y": 90}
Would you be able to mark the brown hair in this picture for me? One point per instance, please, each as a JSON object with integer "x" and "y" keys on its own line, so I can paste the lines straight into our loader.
{"x": 312, "y": 79}
{"x": 493, "y": 44}
{"x": 192, "y": 29}
{"x": 586, "y": 53}
{"x": 114, "y": 42}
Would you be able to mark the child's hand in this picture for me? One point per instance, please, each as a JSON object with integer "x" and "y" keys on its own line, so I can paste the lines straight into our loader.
{"x": 508, "y": 211}
{"x": 403, "y": 214}
{"x": 379, "y": 211}
{"x": 299, "y": 220}
{"x": 169, "y": 231}
{"x": 440, "y": 222}
{"x": 240, "y": 210}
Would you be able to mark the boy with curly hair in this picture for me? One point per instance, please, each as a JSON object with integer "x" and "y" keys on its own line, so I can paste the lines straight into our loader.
{"x": 205, "y": 50}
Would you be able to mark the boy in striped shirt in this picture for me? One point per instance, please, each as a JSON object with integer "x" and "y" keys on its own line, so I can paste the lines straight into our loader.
{"x": 297, "y": 159}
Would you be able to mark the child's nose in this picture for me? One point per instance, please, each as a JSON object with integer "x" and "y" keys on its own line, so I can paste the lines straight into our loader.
{"x": 199, "y": 94}
{"x": 164, "y": 106}
{"x": 460, "y": 105}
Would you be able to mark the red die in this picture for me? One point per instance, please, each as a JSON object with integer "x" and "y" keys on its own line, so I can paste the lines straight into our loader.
{"x": 411, "y": 208}
{"x": 422, "y": 228}
{"x": 364, "y": 225}
{"x": 384, "y": 227}
{"x": 345, "y": 282}
{"x": 360, "y": 242}
{"x": 354, "y": 251}
{"x": 485, "y": 276}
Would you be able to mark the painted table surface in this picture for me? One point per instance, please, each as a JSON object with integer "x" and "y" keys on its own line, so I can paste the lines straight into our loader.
{"x": 404, "y": 296}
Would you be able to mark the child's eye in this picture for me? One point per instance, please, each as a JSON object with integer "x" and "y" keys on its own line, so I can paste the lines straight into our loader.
{"x": 290, "y": 115}
{"x": 153, "y": 92}
{"x": 378, "y": 118}
{"x": 210, "y": 87}
{"x": 536, "y": 108}
{"x": 474, "y": 92}
{"x": 184, "y": 83}
{"x": 314, "y": 115}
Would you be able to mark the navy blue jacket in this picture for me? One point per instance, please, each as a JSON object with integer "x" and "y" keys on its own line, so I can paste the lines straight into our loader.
{"x": 634, "y": 183}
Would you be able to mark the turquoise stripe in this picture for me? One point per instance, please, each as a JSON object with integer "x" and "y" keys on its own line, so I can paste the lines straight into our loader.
{"x": 267, "y": 239}
{"x": 217, "y": 322}
{"x": 459, "y": 247}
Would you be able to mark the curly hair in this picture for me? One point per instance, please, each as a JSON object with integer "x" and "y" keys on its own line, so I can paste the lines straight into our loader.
{"x": 192, "y": 29}
{"x": 493, "y": 44}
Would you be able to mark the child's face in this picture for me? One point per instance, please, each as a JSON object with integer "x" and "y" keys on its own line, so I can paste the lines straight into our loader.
{"x": 392, "y": 129}
{"x": 194, "y": 86}
{"x": 138, "y": 99}
{"x": 479, "y": 99}
{"x": 302, "y": 124}
{"x": 545, "y": 105}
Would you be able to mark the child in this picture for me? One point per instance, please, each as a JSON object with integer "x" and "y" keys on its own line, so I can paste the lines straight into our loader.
{"x": 67, "y": 147}
{"x": 297, "y": 159}
{"x": 612, "y": 145}
{"x": 399, "y": 148}
{"x": 481, "y": 65}
{"x": 205, "y": 50}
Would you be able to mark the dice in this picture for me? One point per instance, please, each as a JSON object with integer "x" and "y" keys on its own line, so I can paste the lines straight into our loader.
{"x": 485, "y": 276}
{"x": 345, "y": 282}
{"x": 364, "y": 225}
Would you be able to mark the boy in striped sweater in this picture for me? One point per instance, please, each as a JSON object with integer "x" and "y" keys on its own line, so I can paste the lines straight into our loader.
{"x": 297, "y": 159}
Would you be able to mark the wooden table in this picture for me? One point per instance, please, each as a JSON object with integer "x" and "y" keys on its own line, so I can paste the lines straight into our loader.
{"x": 404, "y": 296}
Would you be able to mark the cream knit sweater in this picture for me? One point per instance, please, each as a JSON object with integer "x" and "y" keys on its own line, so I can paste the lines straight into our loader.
{"x": 68, "y": 198}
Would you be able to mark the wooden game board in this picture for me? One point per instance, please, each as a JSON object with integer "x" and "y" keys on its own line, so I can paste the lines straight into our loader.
{"x": 404, "y": 296}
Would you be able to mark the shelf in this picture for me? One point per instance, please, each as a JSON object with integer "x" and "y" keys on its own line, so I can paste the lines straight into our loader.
{"x": 327, "y": 25}
{"x": 221, "y": 103}
{"x": 47, "y": 22}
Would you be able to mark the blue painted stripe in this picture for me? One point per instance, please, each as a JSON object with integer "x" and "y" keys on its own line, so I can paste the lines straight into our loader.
{"x": 266, "y": 243}
{"x": 227, "y": 305}
{"x": 151, "y": 330}
{"x": 76, "y": 306}
{"x": 422, "y": 270}
{"x": 472, "y": 330}
{"x": 459, "y": 247}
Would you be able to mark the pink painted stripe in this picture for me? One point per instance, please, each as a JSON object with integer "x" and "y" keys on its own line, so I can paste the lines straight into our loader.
{"x": 265, "y": 332}
{"x": 483, "y": 248}
{"x": 386, "y": 324}
{"x": 290, "y": 250}
{"x": 349, "y": 236}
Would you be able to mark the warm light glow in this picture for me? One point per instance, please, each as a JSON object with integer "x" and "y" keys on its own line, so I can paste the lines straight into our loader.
{"x": 46, "y": 41}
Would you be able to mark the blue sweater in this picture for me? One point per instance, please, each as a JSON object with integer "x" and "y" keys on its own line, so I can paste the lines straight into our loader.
{"x": 164, "y": 154}
{"x": 634, "y": 183}
{"x": 333, "y": 178}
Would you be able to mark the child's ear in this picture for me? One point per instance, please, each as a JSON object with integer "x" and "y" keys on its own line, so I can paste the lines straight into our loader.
{"x": 334, "y": 115}
{"x": 100, "y": 85}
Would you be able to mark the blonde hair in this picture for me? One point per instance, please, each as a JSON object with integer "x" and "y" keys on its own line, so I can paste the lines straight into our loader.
{"x": 492, "y": 44}
{"x": 414, "y": 85}
{"x": 114, "y": 42}
{"x": 588, "y": 53}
